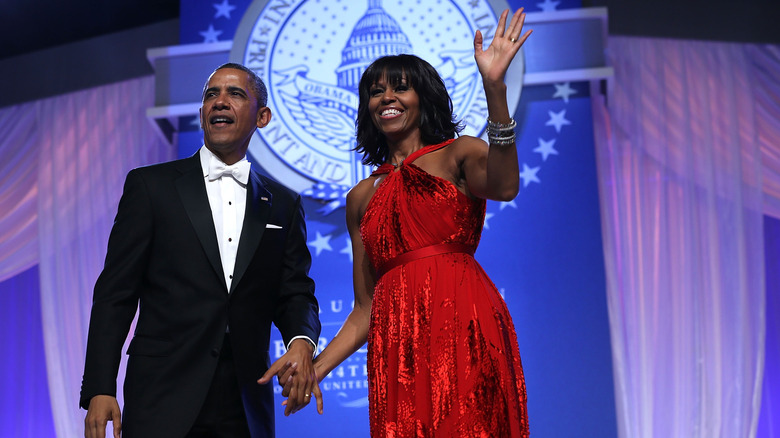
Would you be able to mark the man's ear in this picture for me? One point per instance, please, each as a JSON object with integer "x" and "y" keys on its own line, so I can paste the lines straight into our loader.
{"x": 200, "y": 118}
{"x": 263, "y": 116}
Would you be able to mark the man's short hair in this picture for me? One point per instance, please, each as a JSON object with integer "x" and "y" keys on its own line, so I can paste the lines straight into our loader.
{"x": 255, "y": 83}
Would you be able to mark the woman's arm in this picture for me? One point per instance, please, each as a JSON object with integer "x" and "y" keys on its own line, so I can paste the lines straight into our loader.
{"x": 492, "y": 172}
{"x": 354, "y": 331}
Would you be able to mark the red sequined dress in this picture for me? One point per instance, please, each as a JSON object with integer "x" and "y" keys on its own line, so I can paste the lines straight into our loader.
{"x": 443, "y": 359}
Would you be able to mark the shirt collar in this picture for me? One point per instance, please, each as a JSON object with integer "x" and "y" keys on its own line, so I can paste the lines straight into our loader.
{"x": 205, "y": 158}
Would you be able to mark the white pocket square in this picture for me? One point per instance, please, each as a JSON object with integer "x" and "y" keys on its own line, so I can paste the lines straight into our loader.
{"x": 273, "y": 227}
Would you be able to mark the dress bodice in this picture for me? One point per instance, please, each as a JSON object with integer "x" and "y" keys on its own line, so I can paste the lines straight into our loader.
{"x": 412, "y": 209}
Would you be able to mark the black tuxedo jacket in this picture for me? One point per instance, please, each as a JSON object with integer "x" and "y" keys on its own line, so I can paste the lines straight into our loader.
{"x": 163, "y": 259}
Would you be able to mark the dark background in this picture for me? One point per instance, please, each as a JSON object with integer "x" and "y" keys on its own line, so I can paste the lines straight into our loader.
{"x": 31, "y": 25}
{"x": 52, "y": 47}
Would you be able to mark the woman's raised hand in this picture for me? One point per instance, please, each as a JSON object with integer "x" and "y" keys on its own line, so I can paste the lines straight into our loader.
{"x": 494, "y": 61}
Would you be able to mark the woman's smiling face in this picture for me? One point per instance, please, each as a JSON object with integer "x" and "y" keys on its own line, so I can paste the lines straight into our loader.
{"x": 395, "y": 110}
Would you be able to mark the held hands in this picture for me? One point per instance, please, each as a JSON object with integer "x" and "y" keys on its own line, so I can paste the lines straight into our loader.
{"x": 296, "y": 375}
{"x": 494, "y": 62}
{"x": 102, "y": 409}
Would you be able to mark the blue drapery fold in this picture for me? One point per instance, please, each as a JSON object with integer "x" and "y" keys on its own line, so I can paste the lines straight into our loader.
{"x": 25, "y": 409}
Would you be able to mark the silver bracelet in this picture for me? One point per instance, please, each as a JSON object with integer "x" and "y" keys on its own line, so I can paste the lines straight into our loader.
{"x": 501, "y": 134}
{"x": 501, "y": 141}
{"x": 495, "y": 126}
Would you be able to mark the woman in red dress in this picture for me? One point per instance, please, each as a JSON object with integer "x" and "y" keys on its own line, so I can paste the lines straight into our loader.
{"x": 443, "y": 359}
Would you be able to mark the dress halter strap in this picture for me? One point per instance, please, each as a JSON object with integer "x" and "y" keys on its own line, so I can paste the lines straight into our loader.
{"x": 430, "y": 148}
{"x": 426, "y": 251}
{"x": 381, "y": 170}
{"x": 388, "y": 168}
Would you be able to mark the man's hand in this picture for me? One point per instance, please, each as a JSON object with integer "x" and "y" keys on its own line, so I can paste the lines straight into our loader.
{"x": 102, "y": 409}
{"x": 296, "y": 374}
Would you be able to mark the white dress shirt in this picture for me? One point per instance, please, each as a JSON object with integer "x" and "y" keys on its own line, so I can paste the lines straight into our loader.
{"x": 227, "y": 198}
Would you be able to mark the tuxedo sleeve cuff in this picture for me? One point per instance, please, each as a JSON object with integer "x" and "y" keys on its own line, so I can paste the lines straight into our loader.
{"x": 308, "y": 339}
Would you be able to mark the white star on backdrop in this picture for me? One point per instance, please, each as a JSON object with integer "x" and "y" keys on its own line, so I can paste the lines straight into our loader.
{"x": 504, "y": 205}
{"x": 548, "y": 5}
{"x": 210, "y": 35}
{"x": 223, "y": 9}
{"x": 321, "y": 243}
{"x": 485, "y": 224}
{"x": 348, "y": 249}
{"x": 546, "y": 148}
{"x": 529, "y": 175}
{"x": 557, "y": 120}
{"x": 564, "y": 90}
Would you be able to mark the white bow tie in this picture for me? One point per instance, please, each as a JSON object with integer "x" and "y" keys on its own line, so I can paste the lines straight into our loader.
{"x": 239, "y": 171}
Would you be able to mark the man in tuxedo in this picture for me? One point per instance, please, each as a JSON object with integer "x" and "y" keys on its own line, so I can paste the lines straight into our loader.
{"x": 210, "y": 253}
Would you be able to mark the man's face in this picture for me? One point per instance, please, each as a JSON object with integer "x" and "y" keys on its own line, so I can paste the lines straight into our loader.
{"x": 230, "y": 114}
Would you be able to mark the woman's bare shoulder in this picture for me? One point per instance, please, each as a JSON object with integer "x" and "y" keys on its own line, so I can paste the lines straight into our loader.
{"x": 361, "y": 190}
{"x": 467, "y": 144}
{"x": 358, "y": 197}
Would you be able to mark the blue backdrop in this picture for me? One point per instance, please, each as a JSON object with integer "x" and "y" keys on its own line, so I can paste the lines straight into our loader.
{"x": 542, "y": 250}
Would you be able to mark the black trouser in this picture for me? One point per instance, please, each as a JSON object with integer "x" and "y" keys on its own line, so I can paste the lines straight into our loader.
{"x": 222, "y": 414}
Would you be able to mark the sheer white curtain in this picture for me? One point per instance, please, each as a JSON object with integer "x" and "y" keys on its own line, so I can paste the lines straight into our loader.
{"x": 765, "y": 69}
{"x": 82, "y": 145}
{"x": 18, "y": 206}
{"x": 684, "y": 149}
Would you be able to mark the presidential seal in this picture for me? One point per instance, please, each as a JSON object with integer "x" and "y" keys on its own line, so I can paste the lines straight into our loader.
{"x": 311, "y": 54}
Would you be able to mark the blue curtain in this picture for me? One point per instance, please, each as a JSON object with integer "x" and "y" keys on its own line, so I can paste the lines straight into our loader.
{"x": 769, "y": 419}
{"x": 25, "y": 410}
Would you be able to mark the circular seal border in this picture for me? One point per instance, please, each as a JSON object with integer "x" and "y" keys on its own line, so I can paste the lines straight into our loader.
{"x": 281, "y": 170}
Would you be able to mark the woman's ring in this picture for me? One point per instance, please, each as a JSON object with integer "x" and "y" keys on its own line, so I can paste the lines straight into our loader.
{"x": 514, "y": 40}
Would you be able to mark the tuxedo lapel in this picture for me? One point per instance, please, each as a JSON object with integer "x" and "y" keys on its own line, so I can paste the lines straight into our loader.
{"x": 258, "y": 209}
{"x": 192, "y": 190}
